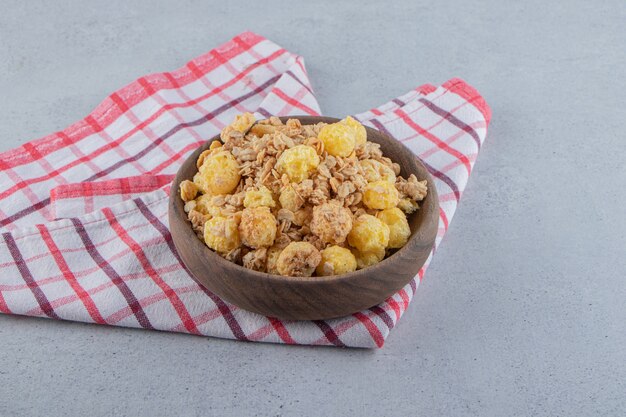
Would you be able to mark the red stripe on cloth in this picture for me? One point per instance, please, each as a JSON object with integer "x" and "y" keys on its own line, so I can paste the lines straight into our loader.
{"x": 261, "y": 333}
{"x": 383, "y": 316}
{"x": 133, "y": 93}
{"x": 147, "y": 86}
{"x": 176, "y": 302}
{"x": 434, "y": 139}
{"x": 425, "y": 89}
{"x": 119, "y": 102}
{"x": 172, "y": 80}
{"x": 225, "y": 311}
{"x": 371, "y": 328}
{"x": 95, "y": 126}
{"x": 197, "y": 71}
{"x": 405, "y": 298}
{"x": 27, "y": 276}
{"x": 37, "y": 156}
{"x": 280, "y": 93}
{"x": 128, "y": 185}
{"x": 282, "y": 331}
{"x": 444, "y": 219}
{"x": 70, "y": 278}
{"x": 126, "y": 292}
{"x": 329, "y": 333}
{"x": 469, "y": 93}
{"x": 4, "y": 308}
{"x": 394, "y": 305}
{"x": 90, "y": 120}
{"x": 37, "y": 206}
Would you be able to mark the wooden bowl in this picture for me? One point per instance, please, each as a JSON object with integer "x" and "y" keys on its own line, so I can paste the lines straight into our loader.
{"x": 312, "y": 298}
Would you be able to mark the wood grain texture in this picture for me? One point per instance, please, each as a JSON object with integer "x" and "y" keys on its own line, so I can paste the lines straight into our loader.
{"x": 311, "y": 298}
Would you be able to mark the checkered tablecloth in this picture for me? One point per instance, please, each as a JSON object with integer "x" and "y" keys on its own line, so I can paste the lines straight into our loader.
{"x": 83, "y": 211}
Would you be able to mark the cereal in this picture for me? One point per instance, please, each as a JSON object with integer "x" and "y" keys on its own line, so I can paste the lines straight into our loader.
{"x": 219, "y": 174}
{"x": 374, "y": 170}
{"x": 414, "y": 189}
{"x": 258, "y": 227}
{"x": 201, "y": 183}
{"x": 255, "y": 259}
{"x": 399, "y": 230}
{"x": 272, "y": 259}
{"x": 288, "y": 199}
{"x": 221, "y": 234}
{"x": 408, "y": 206}
{"x": 360, "y": 134}
{"x": 335, "y": 261}
{"x": 203, "y": 204}
{"x": 365, "y": 259}
{"x": 380, "y": 195}
{"x": 368, "y": 234}
{"x": 298, "y": 162}
{"x": 212, "y": 149}
{"x": 298, "y": 259}
{"x": 331, "y": 222}
{"x": 339, "y": 139}
{"x": 188, "y": 190}
{"x": 259, "y": 198}
{"x": 241, "y": 124}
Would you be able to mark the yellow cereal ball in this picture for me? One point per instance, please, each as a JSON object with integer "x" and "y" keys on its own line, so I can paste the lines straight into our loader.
{"x": 243, "y": 122}
{"x": 203, "y": 204}
{"x": 298, "y": 259}
{"x": 272, "y": 259}
{"x": 408, "y": 206}
{"x": 188, "y": 190}
{"x": 257, "y": 227}
{"x": 359, "y": 130}
{"x": 331, "y": 222}
{"x": 221, "y": 234}
{"x": 375, "y": 171}
{"x": 399, "y": 230}
{"x": 200, "y": 181}
{"x": 259, "y": 198}
{"x": 214, "y": 145}
{"x": 212, "y": 149}
{"x": 380, "y": 195}
{"x": 219, "y": 173}
{"x": 298, "y": 162}
{"x": 335, "y": 261}
{"x": 339, "y": 139}
{"x": 214, "y": 210}
{"x": 365, "y": 259}
{"x": 368, "y": 234}
{"x": 289, "y": 199}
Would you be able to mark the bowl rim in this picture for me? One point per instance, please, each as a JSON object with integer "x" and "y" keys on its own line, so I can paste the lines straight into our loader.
{"x": 174, "y": 198}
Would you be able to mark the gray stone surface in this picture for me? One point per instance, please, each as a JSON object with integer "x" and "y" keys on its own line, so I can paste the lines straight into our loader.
{"x": 523, "y": 311}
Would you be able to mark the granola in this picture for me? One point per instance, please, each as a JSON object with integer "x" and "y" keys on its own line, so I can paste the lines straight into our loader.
{"x": 298, "y": 200}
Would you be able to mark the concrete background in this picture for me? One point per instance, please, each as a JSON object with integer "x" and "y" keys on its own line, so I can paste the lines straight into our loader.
{"x": 523, "y": 311}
